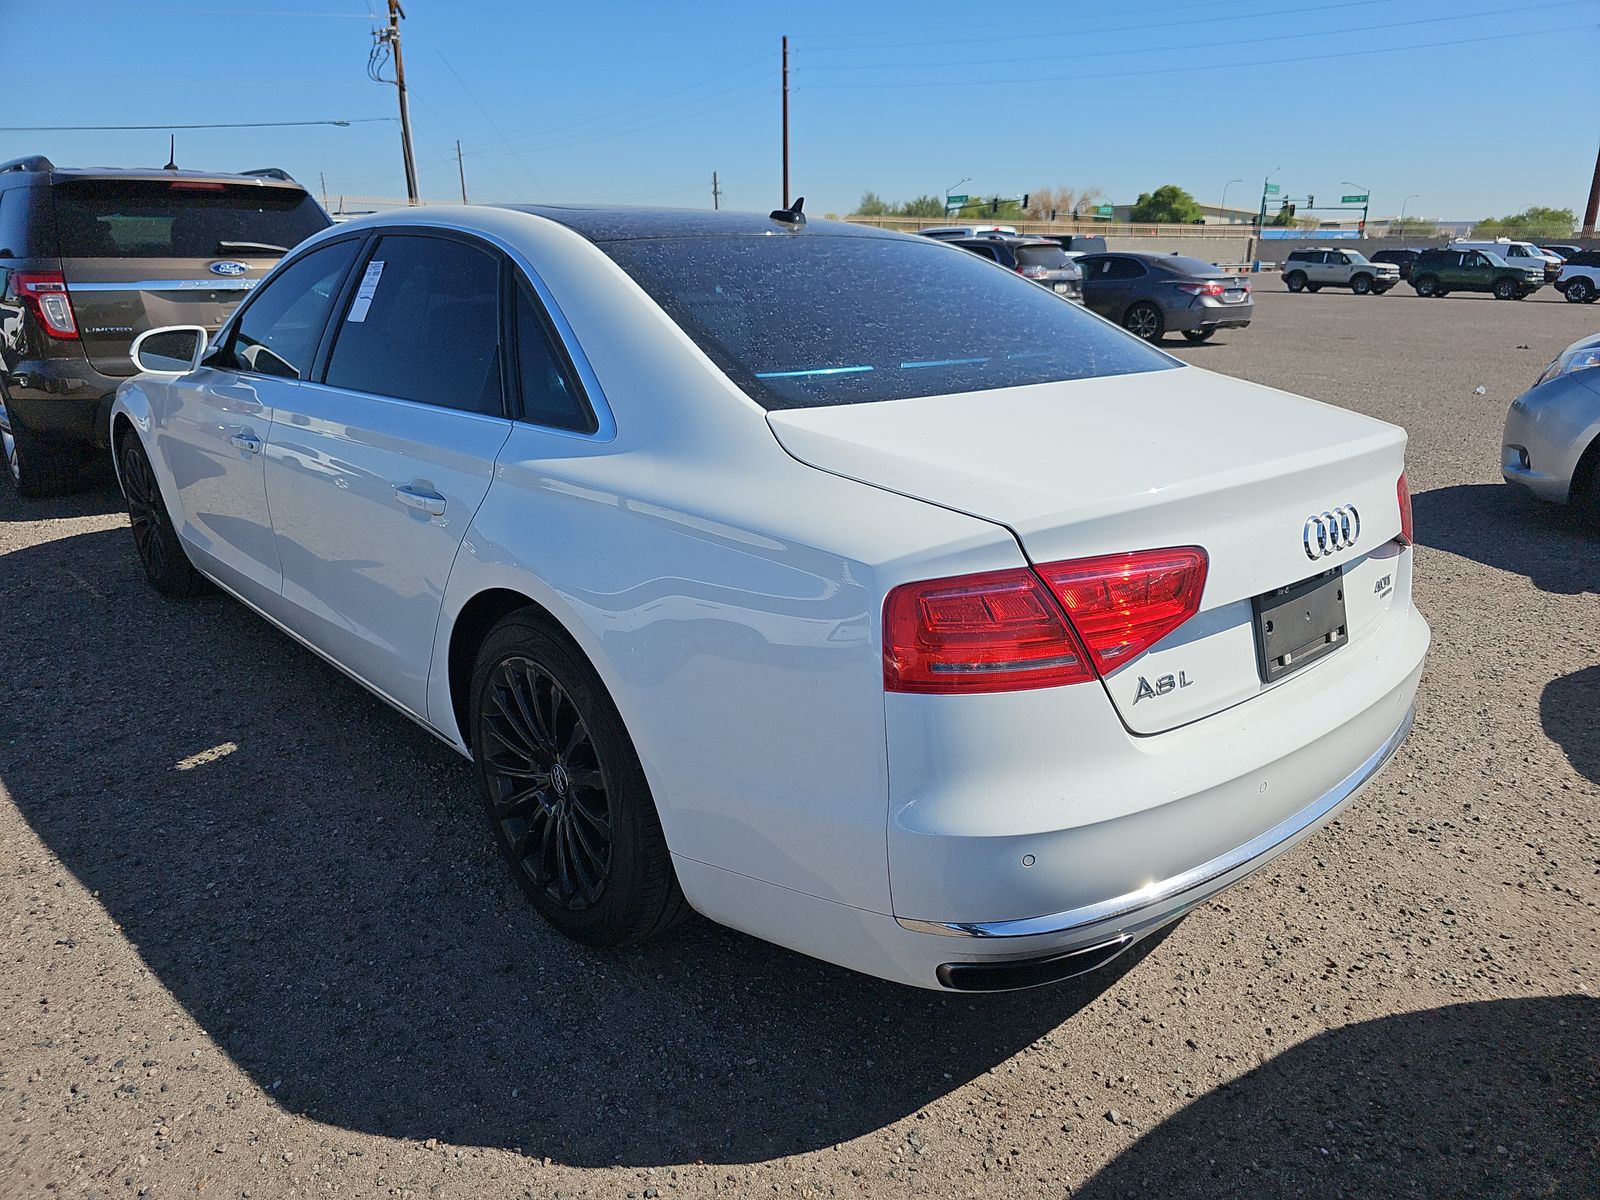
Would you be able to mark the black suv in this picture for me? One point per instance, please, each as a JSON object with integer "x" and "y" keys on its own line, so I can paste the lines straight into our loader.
{"x": 91, "y": 258}
{"x": 1039, "y": 259}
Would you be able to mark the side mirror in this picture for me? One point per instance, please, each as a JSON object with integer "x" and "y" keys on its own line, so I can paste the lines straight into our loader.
{"x": 172, "y": 350}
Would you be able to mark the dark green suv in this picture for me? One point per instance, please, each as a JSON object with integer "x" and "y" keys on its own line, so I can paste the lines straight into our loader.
{"x": 1440, "y": 272}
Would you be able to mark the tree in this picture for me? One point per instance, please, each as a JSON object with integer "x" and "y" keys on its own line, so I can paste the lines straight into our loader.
{"x": 1167, "y": 205}
{"x": 1533, "y": 221}
{"x": 923, "y": 206}
{"x": 873, "y": 205}
{"x": 1413, "y": 227}
{"x": 1062, "y": 201}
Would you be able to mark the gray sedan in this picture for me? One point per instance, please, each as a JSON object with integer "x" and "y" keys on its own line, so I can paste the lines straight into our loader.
{"x": 1551, "y": 445}
{"x": 1153, "y": 294}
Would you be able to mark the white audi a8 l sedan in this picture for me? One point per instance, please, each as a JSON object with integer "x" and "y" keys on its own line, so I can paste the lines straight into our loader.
{"x": 848, "y": 589}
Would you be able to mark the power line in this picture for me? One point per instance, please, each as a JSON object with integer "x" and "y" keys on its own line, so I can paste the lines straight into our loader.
{"x": 1276, "y": 37}
{"x": 1215, "y": 66}
{"x": 492, "y": 125}
{"x": 225, "y": 125}
{"x": 1143, "y": 27}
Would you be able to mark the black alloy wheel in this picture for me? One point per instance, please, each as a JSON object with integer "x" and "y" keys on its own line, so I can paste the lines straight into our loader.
{"x": 1295, "y": 280}
{"x": 1505, "y": 289}
{"x": 165, "y": 564}
{"x": 1427, "y": 285}
{"x": 564, "y": 789}
{"x": 547, "y": 793}
{"x": 1361, "y": 284}
{"x": 1579, "y": 291}
{"x": 1144, "y": 320}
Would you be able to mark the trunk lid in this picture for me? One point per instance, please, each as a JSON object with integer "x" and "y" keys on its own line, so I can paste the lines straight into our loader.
{"x": 1166, "y": 458}
{"x": 116, "y": 299}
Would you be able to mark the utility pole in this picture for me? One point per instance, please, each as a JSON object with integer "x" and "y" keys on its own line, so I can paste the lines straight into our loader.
{"x": 391, "y": 37}
{"x": 785, "y": 120}
{"x": 1593, "y": 209}
{"x": 716, "y": 192}
{"x": 461, "y": 168}
{"x": 323, "y": 180}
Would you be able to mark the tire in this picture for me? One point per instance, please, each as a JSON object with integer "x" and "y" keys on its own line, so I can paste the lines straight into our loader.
{"x": 166, "y": 563}
{"x": 1313, "y": 288}
{"x": 1197, "y": 335}
{"x": 1295, "y": 281}
{"x": 564, "y": 790}
{"x": 1427, "y": 285}
{"x": 1506, "y": 289}
{"x": 1382, "y": 291}
{"x": 1586, "y": 491}
{"x": 35, "y": 467}
{"x": 1144, "y": 320}
{"x": 1579, "y": 291}
{"x": 1361, "y": 284}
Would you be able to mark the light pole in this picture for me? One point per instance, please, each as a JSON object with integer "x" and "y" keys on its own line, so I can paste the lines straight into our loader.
{"x": 1224, "y": 205}
{"x": 952, "y": 188}
{"x": 1403, "y": 203}
{"x": 1365, "y": 204}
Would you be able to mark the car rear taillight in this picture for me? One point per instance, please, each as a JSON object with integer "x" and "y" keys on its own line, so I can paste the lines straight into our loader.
{"x": 1122, "y": 604}
{"x": 45, "y": 294}
{"x": 998, "y": 631}
{"x": 1033, "y": 272}
{"x": 1004, "y": 631}
{"x": 1213, "y": 288}
{"x": 1403, "y": 494}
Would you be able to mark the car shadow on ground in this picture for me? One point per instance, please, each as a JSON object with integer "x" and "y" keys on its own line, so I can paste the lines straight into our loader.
{"x": 1499, "y": 1098}
{"x": 97, "y": 497}
{"x": 313, "y": 879}
{"x": 1495, "y": 524}
{"x": 1567, "y": 708}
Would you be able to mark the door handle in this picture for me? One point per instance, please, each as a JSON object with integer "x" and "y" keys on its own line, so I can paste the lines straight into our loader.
{"x": 246, "y": 441}
{"x": 420, "y": 498}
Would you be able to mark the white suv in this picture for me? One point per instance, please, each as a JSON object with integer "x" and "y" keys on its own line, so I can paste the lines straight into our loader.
{"x": 1320, "y": 267}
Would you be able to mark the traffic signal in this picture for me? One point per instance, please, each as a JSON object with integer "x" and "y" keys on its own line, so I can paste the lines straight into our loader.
{"x": 1053, "y": 214}
{"x": 1025, "y": 196}
{"x": 994, "y": 205}
{"x": 1311, "y": 201}
{"x": 1291, "y": 209}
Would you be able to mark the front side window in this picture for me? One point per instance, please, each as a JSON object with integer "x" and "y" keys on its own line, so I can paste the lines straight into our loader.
{"x": 424, "y": 325}
{"x": 278, "y": 331}
{"x": 806, "y": 320}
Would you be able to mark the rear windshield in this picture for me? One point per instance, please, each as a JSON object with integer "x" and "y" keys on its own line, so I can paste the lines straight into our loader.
{"x": 803, "y": 321}
{"x": 1187, "y": 266}
{"x": 1053, "y": 258}
{"x": 181, "y": 219}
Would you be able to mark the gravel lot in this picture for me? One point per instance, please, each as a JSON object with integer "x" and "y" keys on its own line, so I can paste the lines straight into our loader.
{"x": 257, "y": 941}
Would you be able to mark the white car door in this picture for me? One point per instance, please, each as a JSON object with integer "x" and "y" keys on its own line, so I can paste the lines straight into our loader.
{"x": 374, "y": 470}
{"x": 214, "y": 422}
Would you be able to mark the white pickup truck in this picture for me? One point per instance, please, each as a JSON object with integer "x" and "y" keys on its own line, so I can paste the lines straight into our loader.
{"x": 1313, "y": 269}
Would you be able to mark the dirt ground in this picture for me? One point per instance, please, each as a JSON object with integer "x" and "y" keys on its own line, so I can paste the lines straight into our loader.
{"x": 257, "y": 942}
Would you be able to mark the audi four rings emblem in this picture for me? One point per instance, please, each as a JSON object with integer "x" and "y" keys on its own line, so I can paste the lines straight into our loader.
{"x": 1326, "y": 532}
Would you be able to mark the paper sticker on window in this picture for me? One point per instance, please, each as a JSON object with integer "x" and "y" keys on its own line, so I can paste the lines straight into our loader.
{"x": 364, "y": 293}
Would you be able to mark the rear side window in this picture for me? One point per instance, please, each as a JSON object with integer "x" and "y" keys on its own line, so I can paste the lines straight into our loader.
{"x": 423, "y": 325}
{"x": 278, "y": 331}
{"x": 105, "y": 218}
{"x": 25, "y": 226}
{"x": 805, "y": 320}
{"x": 549, "y": 391}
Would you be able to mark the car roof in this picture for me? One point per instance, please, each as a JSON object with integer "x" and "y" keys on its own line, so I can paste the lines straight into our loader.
{"x": 616, "y": 223}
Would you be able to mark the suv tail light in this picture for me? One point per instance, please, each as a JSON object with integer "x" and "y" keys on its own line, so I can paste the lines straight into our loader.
{"x": 998, "y": 631}
{"x": 1122, "y": 604}
{"x": 1213, "y": 288}
{"x": 1402, "y": 492}
{"x": 1033, "y": 272}
{"x": 45, "y": 294}
{"x": 1016, "y": 629}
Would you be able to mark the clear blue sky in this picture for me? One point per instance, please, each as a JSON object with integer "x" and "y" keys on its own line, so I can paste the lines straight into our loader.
{"x": 639, "y": 102}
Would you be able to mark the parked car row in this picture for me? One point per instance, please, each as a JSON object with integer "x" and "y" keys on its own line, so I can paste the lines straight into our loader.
{"x": 1505, "y": 268}
{"x": 633, "y": 510}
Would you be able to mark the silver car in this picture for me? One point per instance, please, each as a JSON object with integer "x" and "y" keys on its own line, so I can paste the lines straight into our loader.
{"x": 1551, "y": 445}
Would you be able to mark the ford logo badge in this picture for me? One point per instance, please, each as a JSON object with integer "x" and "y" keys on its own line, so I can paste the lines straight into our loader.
{"x": 228, "y": 268}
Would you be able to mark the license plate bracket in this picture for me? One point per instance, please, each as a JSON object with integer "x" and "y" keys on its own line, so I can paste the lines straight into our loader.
{"x": 1299, "y": 624}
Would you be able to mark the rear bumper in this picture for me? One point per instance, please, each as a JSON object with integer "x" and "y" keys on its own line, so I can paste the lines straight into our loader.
{"x": 1205, "y": 315}
{"x": 62, "y": 399}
